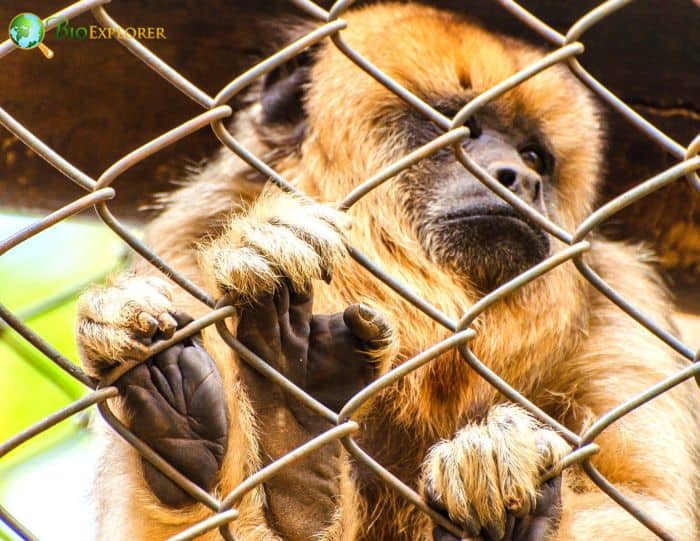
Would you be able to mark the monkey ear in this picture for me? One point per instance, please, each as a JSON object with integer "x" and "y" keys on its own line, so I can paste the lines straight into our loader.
{"x": 283, "y": 90}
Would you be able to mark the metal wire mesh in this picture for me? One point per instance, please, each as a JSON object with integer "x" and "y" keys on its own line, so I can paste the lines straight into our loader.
{"x": 215, "y": 113}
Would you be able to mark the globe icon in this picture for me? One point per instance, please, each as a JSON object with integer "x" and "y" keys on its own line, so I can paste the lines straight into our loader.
{"x": 26, "y": 30}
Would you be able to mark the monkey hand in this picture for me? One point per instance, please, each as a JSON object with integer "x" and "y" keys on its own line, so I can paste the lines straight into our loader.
{"x": 117, "y": 323}
{"x": 177, "y": 405}
{"x": 487, "y": 479}
{"x": 281, "y": 236}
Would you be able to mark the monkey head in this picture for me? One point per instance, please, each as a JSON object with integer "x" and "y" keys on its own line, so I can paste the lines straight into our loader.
{"x": 463, "y": 225}
{"x": 541, "y": 140}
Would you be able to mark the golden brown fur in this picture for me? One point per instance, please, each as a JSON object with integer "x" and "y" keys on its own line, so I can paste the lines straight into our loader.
{"x": 557, "y": 341}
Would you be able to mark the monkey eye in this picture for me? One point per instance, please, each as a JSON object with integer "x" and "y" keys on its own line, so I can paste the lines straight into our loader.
{"x": 535, "y": 158}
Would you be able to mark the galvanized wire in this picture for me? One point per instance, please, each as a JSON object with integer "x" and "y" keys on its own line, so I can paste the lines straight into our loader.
{"x": 216, "y": 110}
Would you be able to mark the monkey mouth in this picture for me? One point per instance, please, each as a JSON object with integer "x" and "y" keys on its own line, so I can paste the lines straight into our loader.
{"x": 479, "y": 212}
{"x": 490, "y": 245}
{"x": 494, "y": 220}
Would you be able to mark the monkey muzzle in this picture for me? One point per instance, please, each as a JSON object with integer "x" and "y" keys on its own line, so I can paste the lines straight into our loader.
{"x": 491, "y": 243}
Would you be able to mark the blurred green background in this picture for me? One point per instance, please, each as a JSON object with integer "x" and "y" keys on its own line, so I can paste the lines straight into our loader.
{"x": 44, "y": 483}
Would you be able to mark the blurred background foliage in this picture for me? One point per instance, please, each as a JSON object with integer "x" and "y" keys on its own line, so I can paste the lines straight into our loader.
{"x": 44, "y": 482}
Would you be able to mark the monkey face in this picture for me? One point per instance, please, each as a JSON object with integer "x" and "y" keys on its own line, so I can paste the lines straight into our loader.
{"x": 460, "y": 223}
{"x": 541, "y": 140}
{"x": 463, "y": 226}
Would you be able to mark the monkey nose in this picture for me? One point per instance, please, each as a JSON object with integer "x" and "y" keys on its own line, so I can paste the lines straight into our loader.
{"x": 521, "y": 180}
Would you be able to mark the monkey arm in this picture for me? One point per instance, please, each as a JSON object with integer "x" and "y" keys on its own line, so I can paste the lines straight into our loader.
{"x": 330, "y": 356}
{"x": 164, "y": 402}
{"x": 654, "y": 468}
{"x": 267, "y": 261}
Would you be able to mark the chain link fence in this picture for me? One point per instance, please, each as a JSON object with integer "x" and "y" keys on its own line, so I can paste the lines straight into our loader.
{"x": 99, "y": 191}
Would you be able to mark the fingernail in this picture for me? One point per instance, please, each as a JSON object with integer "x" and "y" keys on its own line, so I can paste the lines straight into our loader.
{"x": 365, "y": 312}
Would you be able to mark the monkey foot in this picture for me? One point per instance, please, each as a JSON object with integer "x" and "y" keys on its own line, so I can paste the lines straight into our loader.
{"x": 331, "y": 357}
{"x": 177, "y": 405}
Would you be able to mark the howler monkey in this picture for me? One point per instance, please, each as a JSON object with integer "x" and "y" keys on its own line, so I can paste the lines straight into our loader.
{"x": 326, "y": 126}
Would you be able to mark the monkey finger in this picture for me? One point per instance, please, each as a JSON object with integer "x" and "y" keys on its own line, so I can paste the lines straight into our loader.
{"x": 549, "y": 499}
{"x": 167, "y": 325}
{"x": 546, "y": 516}
{"x": 153, "y": 417}
{"x": 510, "y": 526}
{"x": 182, "y": 319}
{"x": 138, "y": 376}
{"x": 467, "y": 520}
{"x": 295, "y": 322}
{"x": 259, "y": 330}
{"x": 146, "y": 324}
{"x": 367, "y": 324}
{"x": 167, "y": 376}
{"x": 103, "y": 347}
{"x": 298, "y": 302}
{"x": 302, "y": 298}
{"x": 293, "y": 307}
{"x": 204, "y": 389}
{"x": 281, "y": 298}
{"x": 262, "y": 313}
